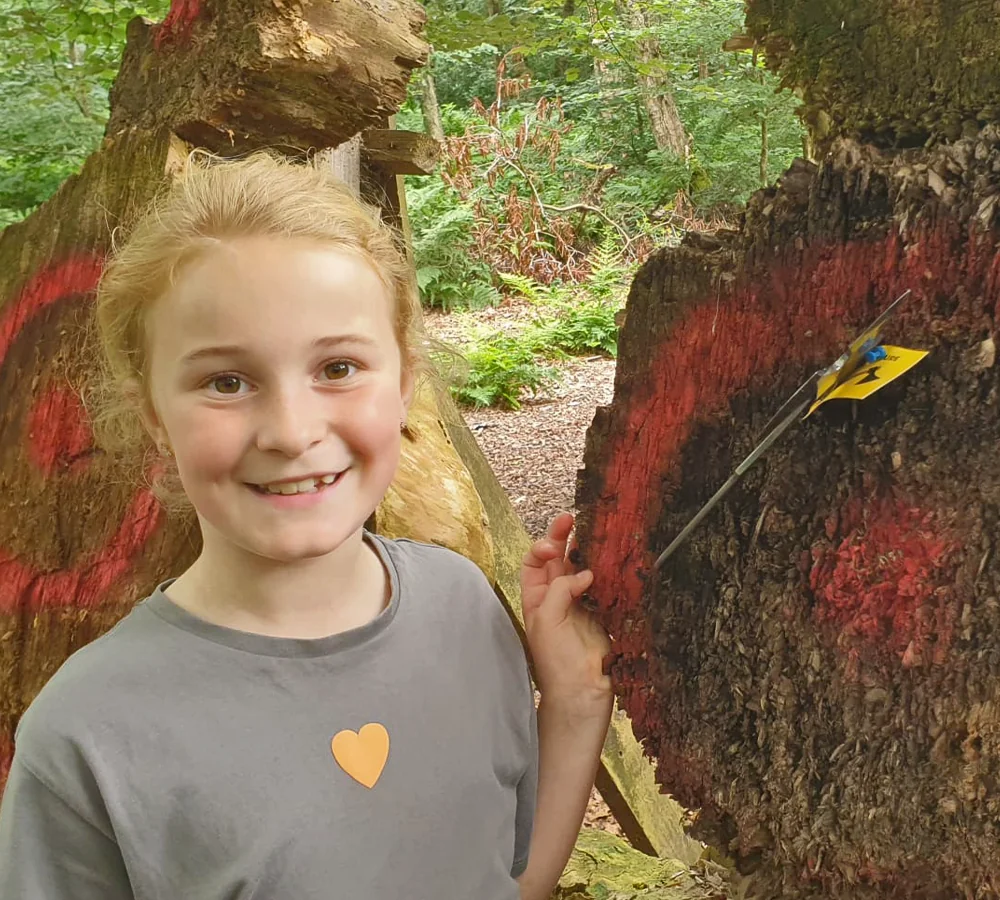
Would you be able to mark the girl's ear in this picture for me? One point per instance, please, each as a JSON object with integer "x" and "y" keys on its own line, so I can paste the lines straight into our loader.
{"x": 407, "y": 387}
{"x": 139, "y": 397}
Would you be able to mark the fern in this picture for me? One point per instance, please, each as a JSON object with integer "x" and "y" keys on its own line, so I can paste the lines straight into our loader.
{"x": 608, "y": 274}
{"x": 501, "y": 368}
{"x": 587, "y": 326}
{"x": 525, "y": 286}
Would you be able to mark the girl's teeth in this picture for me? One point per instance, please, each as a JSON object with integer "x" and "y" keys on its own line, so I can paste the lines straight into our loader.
{"x": 309, "y": 486}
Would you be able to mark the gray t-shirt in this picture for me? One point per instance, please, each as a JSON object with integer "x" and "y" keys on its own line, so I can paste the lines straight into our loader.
{"x": 173, "y": 759}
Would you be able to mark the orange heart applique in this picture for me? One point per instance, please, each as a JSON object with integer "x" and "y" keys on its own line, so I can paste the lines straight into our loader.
{"x": 362, "y": 754}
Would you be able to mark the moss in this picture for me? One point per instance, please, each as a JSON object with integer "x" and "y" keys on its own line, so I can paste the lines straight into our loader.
{"x": 603, "y": 867}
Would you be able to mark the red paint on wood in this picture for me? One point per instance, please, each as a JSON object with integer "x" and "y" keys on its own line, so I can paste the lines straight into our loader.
{"x": 86, "y": 583}
{"x": 59, "y": 434}
{"x": 76, "y": 275}
{"x": 176, "y": 27}
{"x": 717, "y": 350}
{"x": 888, "y": 580}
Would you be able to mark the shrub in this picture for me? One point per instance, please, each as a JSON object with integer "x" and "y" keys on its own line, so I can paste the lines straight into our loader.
{"x": 501, "y": 368}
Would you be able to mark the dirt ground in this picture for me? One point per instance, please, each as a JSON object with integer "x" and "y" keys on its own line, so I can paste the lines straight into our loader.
{"x": 536, "y": 451}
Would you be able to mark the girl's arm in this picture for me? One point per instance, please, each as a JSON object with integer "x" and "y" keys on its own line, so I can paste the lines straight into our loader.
{"x": 569, "y": 749}
{"x": 568, "y": 649}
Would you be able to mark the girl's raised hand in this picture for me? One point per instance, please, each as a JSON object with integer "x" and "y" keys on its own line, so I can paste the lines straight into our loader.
{"x": 567, "y": 644}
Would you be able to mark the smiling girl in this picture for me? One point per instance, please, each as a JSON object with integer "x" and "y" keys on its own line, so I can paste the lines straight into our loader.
{"x": 310, "y": 710}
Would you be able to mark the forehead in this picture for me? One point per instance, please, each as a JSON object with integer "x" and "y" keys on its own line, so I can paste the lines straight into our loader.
{"x": 272, "y": 291}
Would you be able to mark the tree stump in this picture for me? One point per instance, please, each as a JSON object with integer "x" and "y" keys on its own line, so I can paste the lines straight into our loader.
{"x": 817, "y": 671}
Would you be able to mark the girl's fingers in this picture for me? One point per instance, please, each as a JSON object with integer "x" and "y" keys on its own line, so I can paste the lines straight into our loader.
{"x": 563, "y": 592}
{"x": 558, "y": 535}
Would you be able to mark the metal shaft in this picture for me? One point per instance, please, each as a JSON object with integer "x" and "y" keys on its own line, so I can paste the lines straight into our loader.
{"x": 757, "y": 452}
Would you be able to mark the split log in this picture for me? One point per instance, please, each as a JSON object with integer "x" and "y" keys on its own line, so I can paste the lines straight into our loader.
{"x": 401, "y": 152}
{"x": 817, "y": 671}
{"x": 233, "y": 77}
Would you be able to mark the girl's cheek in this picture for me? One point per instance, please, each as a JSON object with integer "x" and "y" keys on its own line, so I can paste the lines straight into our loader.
{"x": 381, "y": 419}
{"x": 210, "y": 439}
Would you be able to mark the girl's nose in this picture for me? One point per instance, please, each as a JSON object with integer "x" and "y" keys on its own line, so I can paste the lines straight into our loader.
{"x": 291, "y": 423}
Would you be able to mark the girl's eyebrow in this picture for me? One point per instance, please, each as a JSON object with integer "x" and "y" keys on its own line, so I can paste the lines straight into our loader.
{"x": 333, "y": 340}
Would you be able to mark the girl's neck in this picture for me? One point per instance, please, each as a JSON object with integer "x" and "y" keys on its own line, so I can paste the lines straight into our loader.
{"x": 309, "y": 599}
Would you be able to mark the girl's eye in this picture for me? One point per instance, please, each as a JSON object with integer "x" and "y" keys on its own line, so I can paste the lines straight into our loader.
{"x": 338, "y": 370}
{"x": 226, "y": 384}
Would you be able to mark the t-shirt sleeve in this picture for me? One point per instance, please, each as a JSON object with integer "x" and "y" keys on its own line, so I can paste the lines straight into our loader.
{"x": 527, "y": 790}
{"x": 49, "y": 848}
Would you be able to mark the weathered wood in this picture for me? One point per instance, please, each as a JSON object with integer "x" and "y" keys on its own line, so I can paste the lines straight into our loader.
{"x": 78, "y": 544}
{"x": 603, "y": 867}
{"x": 345, "y": 163}
{"x": 892, "y": 73}
{"x": 817, "y": 672}
{"x": 291, "y": 76}
{"x": 401, "y": 152}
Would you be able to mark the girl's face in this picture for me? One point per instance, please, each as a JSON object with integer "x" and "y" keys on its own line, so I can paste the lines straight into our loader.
{"x": 276, "y": 379}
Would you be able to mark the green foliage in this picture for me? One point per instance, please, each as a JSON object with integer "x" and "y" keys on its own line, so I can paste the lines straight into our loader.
{"x": 59, "y": 59}
{"x": 580, "y": 319}
{"x": 586, "y": 325}
{"x": 609, "y": 274}
{"x": 526, "y": 287}
{"x": 570, "y": 320}
{"x": 501, "y": 368}
{"x": 551, "y": 159}
{"x": 462, "y": 75}
{"x": 448, "y": 273}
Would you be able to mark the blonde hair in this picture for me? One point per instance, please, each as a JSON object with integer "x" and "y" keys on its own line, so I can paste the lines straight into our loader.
{"x": 211, "y": 200}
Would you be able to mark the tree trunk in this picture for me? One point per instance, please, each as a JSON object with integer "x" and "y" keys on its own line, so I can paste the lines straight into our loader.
{"x": 429, "y": 106}
{"x": 892, "y": 74}
{"x": 763, "y": 151}
{"x": 817, "y": 671}
{"x": 657, "y": 94}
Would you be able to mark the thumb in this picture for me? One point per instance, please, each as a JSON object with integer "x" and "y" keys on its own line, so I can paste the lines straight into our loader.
{"x": 563, "y": 591}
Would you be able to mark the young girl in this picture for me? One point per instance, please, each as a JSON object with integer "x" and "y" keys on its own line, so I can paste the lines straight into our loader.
{"x": 310, "y": 710}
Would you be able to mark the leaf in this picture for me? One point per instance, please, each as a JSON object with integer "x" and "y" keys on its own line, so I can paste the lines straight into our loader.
{"x": 426, "y": 276}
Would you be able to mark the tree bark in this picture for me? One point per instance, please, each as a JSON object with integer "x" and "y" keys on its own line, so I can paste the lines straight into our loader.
{"x": 817, "y": 671}
{"x": 763, "y": 151}
{"x": 429, "y": 106}
{"x": 892, "y": 74}
{"x": 657, "y": 93}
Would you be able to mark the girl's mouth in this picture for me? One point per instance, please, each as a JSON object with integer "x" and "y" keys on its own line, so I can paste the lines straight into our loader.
{"x": 314, "y": 485}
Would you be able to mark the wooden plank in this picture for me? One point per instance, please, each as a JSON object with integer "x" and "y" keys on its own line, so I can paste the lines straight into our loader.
{"x": 401, "y": 152}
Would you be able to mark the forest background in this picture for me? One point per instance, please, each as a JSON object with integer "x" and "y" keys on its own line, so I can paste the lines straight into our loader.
{"x": 579, "y": 135}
